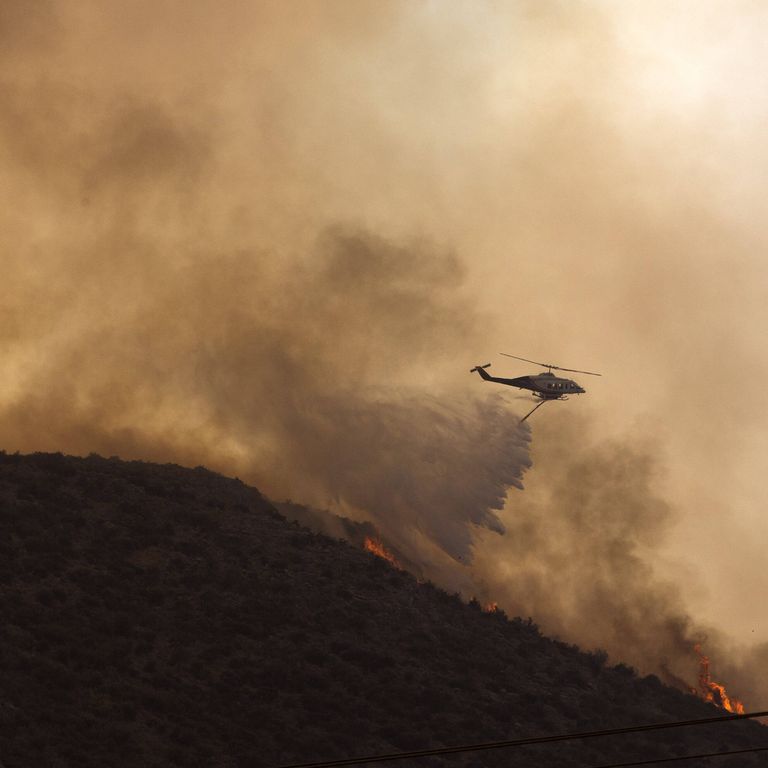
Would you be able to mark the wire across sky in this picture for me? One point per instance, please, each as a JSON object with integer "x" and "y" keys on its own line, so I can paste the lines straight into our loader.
{"x": 362, "y": 760}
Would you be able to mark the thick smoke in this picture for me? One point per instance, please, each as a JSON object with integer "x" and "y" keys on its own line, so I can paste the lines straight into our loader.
{"x": 579, "y": 548}
{"x": 151, "y": 315}
{"x": 579, "y": 555}
{"x": 297, "y": 382}
{"x": 273, "y": 237}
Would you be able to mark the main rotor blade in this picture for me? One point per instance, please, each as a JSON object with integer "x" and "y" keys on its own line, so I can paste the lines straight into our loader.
{"x": 574, "y": 370}
{"x": 547, "y": 365}
{"x": 526, "y": 360}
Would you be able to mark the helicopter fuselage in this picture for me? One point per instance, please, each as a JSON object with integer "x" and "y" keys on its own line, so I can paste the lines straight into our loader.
{"x": 545, "y": 385}
{"x": 548, "y": 386}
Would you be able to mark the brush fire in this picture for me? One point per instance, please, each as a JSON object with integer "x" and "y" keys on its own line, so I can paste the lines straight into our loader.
{"x": 377, "y": 548}
{"x": 711, "y": 691}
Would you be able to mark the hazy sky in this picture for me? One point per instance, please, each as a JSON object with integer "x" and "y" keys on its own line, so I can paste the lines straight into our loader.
{"x": 274, "y": 237}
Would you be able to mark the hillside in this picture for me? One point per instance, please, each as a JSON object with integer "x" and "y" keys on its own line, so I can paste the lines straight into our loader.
{"x": 156, "y": 615}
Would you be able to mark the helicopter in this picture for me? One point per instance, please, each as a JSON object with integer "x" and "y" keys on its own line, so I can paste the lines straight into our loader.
{"x": 544, "y": 386}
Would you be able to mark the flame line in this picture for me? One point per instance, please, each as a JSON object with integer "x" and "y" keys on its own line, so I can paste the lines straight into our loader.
{"x": 711, "y": 690}
{"x": 541, "y": 740}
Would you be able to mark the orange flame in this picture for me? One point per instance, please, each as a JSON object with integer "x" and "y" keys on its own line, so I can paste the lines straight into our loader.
{"x": 490, "y": 607}
{"x": 712, "y": 691}
{"x": 378, "y": 549}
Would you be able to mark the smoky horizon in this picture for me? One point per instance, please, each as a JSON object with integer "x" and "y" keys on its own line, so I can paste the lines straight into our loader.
{"x": 274, "y": 238}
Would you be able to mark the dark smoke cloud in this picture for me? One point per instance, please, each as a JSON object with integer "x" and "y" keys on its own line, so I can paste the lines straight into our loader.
{"x": 140, "y": 324}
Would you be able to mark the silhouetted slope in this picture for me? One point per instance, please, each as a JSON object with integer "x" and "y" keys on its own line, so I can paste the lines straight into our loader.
{"x": 155, "y": 615}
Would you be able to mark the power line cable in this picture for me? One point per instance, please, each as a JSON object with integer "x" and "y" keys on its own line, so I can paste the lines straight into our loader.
{"x": 524, "y": 742}
{"x": 684, "y": 757}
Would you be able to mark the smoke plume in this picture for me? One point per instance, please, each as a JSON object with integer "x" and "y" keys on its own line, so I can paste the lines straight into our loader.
{"x": 579, "y": 550}
{"x": 289, "y": 380}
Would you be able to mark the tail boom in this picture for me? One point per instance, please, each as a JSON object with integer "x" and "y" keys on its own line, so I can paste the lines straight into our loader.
{"x": 523, "y": 382}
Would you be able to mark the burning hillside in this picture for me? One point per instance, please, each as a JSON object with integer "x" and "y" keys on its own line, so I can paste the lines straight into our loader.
{"x": 158, "y": 616}
{"x": 708, "y": 690}
{"x": 272, "y": 237}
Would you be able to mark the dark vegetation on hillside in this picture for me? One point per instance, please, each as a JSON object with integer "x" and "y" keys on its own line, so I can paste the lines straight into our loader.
{"x": 155, "y": 616}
